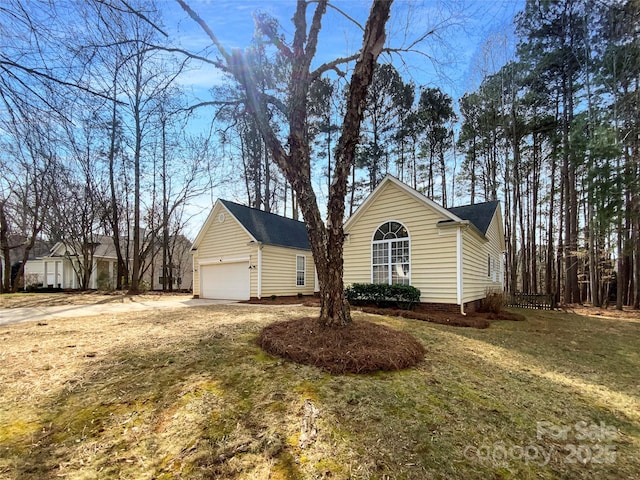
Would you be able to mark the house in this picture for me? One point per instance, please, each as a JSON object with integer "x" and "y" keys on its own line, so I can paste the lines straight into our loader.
{"x": 179, "y": 268}
{"x": 17, "y": 245}
{"x": 453, "y": 256}
{"x": 62, "y": 267}
{"x": 242, "y": 253}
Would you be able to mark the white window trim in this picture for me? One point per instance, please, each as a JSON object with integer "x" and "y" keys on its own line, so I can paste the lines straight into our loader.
{"x": 304, "y": 271}
{"x": 494, "y": 270}
{"x": 407, "y": 239}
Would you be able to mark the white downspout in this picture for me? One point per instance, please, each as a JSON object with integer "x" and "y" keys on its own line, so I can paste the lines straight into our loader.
{"x": 259, "y": 271}
{"x": 193, "y": 277}
{"x": 459, "y": 272}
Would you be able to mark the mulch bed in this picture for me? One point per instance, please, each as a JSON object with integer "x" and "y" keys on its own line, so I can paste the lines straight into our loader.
{"x": 419, "y": 312}
{"x": 442, "y": 318}
{"x": 361, "y": 347}
{"x": 306, "y": 300}
{"x": 474, "y": 319}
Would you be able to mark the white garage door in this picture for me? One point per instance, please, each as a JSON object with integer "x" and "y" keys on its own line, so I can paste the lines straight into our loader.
{"x": 229, "y": 281}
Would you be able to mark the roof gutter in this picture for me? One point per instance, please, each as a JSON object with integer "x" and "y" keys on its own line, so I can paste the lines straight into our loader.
{"x": 466, "y": 223}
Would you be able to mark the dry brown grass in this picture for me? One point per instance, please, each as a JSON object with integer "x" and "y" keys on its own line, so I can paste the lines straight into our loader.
{"x": 188, "y": 394}
{"x": 27, "y": 300}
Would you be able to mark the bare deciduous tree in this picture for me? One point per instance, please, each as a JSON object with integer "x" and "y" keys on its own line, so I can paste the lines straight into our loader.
{"x": 293, "y": 156}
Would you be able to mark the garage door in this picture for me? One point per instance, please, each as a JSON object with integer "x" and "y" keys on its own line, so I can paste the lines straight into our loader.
{"x": 229, "y": 281}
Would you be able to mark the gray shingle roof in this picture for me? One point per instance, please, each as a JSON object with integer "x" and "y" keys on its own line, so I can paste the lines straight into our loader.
{"x": 480, "y": 214}
{"x": 269, "y": 228}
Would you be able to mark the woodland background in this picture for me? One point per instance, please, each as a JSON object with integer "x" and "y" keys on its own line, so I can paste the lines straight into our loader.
{"x": 95, "y": 139}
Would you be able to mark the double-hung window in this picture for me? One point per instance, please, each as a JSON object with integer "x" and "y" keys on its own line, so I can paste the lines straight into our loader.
{"x": 390, "y": 262}
{"x": 301, "y": 264}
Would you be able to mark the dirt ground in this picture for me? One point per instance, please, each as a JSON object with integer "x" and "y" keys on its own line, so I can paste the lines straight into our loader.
{"x": 626, "y": 313}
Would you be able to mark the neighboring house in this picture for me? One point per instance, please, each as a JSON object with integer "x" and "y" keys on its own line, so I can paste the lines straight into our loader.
{"x": 62, "y": 265}
{"x": 453, "y": 256}
{"x": 180, "y": 272}
{"x": 242, "y": 252}
{"x": 40, "y": 247}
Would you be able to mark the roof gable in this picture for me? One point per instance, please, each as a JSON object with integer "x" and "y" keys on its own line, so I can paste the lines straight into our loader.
{"x": 479, "y": 214}
{"x": 103, "y": 247}
{"x": 269, "y": 228}
{"x": 389, "y": 179}
{"x": 263, "y": 227}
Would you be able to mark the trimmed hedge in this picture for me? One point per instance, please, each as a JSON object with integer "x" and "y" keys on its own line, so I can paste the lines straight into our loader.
{"x": 383, "y": 295}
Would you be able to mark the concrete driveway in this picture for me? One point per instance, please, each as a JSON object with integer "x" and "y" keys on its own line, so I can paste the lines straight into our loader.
{"x": 25, "y": 314}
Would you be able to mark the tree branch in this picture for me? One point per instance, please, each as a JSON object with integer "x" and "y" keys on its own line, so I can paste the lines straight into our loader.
{"x": 141, "y": 15}
{"x": 205, "y": 28}
{"x": 333, "y": 65}
{"x": 372, "y": 46}
{"x": 316, "y": 24}
{"x": 344, "y": 14}
{"x": 36, "y": 73}
{"x": 271, "y": 33}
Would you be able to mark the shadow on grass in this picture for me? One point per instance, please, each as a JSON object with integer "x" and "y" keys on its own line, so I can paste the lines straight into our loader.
{"x": 596, "y": 351}
{"x": 215, "y": 406}
{"x": 145, "y": 413}
{"x": 75, "y": 299}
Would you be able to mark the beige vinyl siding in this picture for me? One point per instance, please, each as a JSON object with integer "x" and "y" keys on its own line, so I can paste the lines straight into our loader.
{"x": 279, "y": 271}
{"x": 494, "y": 234}
{"x": 432, "y": 250}
{"x": 222, "y": 241}
{"x": 475, "y": 257}
{"x": 196, "y": 274}
{"x": 474, "y": 262}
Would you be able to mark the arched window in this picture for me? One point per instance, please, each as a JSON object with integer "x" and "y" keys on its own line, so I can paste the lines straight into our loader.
{"x": 390, "y": 262}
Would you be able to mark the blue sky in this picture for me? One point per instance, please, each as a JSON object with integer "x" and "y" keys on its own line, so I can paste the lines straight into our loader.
{"x": 473, "y": 38}
{"x": 449, "y": 60}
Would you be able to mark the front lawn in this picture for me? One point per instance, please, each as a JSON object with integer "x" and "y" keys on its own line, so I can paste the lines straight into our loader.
{"x": 187, "y": 394}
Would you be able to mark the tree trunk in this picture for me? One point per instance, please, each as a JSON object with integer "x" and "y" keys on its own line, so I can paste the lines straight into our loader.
{"x": 295, "y": 164}
{"x": 636, "y": 258}
{"x": 267, "y": 182}
{"x": 35, "y": 231}
{"x": 167, "y": 269}
{"x": 549, "y": 285}
{"x": 134, "y": 287}
{"x": 114, "y": 217}
{"x": 590, "y": 234}
{"x": 5, "y": 285}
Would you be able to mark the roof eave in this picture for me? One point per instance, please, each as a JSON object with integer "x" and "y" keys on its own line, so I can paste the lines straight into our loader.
{"x": 462, "y": 223}
{"x": 306, "y": 249}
